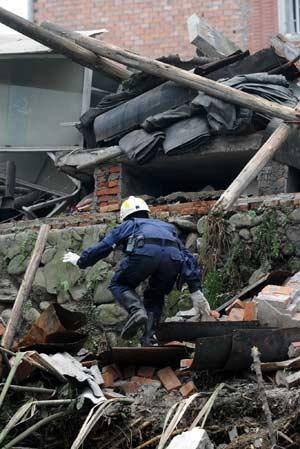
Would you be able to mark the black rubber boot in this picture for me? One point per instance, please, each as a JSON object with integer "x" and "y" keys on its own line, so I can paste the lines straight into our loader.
{"x": 148, "y": 338}
{"x": 137, "y": 314}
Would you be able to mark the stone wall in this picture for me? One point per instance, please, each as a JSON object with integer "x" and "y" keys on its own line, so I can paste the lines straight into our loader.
{"x": 234, "y": 250}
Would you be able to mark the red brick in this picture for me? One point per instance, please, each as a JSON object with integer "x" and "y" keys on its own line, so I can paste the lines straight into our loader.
{"x": 236, "y": 314}
{"x": 146, "y": 371}
{"x": 169, "y": 379}
{"x": 276, "y": 290}
{"x": 108, "y": 378}
{"x": 108, "y": 191}
{"x": 2, "y": 329}
{"x": 110, "y": 208}
{"x": 186, "y": 363}
{"x": 250, "y": 311}
{"x": 143, "y": 380}
{"x": 214, "y": 314}
{"x": 188, "y": 389}
{"x": 113, "y": 183}
{"x": 130, "y": 387}
{"x": 237, "y": 304}
{"x": 114, "y": 169}
{"x": 113, "y": 370}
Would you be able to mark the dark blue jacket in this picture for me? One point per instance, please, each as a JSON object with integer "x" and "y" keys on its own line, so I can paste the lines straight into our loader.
{"x": 149, "y": 228}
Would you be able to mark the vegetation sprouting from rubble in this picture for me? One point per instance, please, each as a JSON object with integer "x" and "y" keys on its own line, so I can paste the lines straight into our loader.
{"x": 233, "y": 248}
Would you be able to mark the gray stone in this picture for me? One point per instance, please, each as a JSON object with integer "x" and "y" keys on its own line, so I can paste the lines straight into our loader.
{"x": 48, "y": 255}
{"x": 6, "y": 314}
{"x": 111, "y": 314}
{"x": 60, "y": 275}
{"x": 39, "y": 282}
{"x": 191, "y": 242}
{"x": 96, "y": 273}
{"x": 295, "y": 215}
{"x": 245, "y": 220}
{"x": 31, "y": 315}
{"x": 294, "y": 264}
{"x": 186, "y": 225}
{"x": 202, "y": 225}
{"x": 268, "y": 315}
{"x": 63, "y": 297}
{"x": 245, "y": 234}
{"x": 281, "y": 218}
{"x": 5, "y": 243}
{"x": 288, "y": 249}
{"x": 18, "y": 265}
{"x": 23, "y": 243}
{"x": 102, "y": 294}
{"x": 92, "y": 235}
{"x": 44, "y": 305}
{"x": 293, "y": 234}
{"x": 78, "y": 292}
{"x": 200, "y": 244}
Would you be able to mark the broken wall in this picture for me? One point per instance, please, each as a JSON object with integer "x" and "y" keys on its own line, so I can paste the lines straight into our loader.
{"x": 248, "y": 243}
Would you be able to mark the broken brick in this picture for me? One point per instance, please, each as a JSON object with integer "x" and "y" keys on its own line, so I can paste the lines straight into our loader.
{"x": 2, "y": 329}
{"x": 276, "y": 290}
{"x": 108, "y": 378}
{"x": 236, "y": 314}
{"x": 146, "y": 371}
{"x": 130, "y": 387}
{"x": 143, "y": 380}
{"x": 250, "y": 311}
{"x": 169, "y": 379}
{"x": 188, "y": 389}
{"x": 113, "y": 370}
{"x": 186, "y": 363}
{"x": 214, "y": 314}
{"x": 237, "y": 304}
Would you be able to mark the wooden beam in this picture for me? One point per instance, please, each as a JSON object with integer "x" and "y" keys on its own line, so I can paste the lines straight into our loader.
{"x": 24, "y": 290}
{"x": 187, "y": 79}
{"x": 208, "y": 40}
{"x": 251, "y": 170}
{"x": 61, "y": 45}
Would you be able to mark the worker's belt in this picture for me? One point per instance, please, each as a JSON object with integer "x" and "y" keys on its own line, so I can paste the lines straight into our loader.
{"x": 161, "y": 242}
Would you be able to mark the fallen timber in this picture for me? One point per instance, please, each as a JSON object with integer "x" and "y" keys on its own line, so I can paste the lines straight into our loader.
{"x": 185, "y": 78}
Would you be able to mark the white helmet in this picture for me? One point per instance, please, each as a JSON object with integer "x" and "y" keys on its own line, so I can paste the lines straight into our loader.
{"x": 132, "y": 205}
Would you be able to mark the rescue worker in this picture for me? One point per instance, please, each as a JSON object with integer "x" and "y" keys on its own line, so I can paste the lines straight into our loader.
{"x": 154, "y": 252}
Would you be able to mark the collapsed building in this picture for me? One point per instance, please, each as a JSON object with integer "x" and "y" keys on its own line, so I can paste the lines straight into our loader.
{"x": 112, "y": 132}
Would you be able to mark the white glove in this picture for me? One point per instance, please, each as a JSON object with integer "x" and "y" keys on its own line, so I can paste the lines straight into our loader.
{"x": 201, "y": 308}
{"x": 71, "y": 258}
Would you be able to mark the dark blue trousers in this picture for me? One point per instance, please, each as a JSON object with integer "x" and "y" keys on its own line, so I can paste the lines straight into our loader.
{"x": 160, "y": 269}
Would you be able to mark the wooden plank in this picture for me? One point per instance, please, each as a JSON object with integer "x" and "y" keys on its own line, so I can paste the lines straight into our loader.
{"x": 61, "y": 45}
{"x": 286, "y": 49}
{"x": 208, "y": 40}
{"x": 251, "y": 170}
{"x": 24, "y": 290}
{"x": 187, "y": 79}
{"x": 286, "y": 364}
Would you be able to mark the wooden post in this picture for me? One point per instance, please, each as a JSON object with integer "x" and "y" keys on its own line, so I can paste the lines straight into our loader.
{"x": 185, "y": 78}
{"x": 251, "y": 170}
{"x": 262, "y": 395}
{"x": 24, "y": 290}
{"x": 61, "y": 45}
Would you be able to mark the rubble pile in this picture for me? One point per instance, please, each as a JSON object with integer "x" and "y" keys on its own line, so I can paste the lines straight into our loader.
{"x": 193, "y": 388}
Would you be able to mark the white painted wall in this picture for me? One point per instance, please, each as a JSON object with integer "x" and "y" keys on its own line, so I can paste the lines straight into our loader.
{"x": 21, "y": 7}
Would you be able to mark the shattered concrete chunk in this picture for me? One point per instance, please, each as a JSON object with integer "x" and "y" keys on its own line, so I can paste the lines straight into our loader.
{"x": 193, "y": 439}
